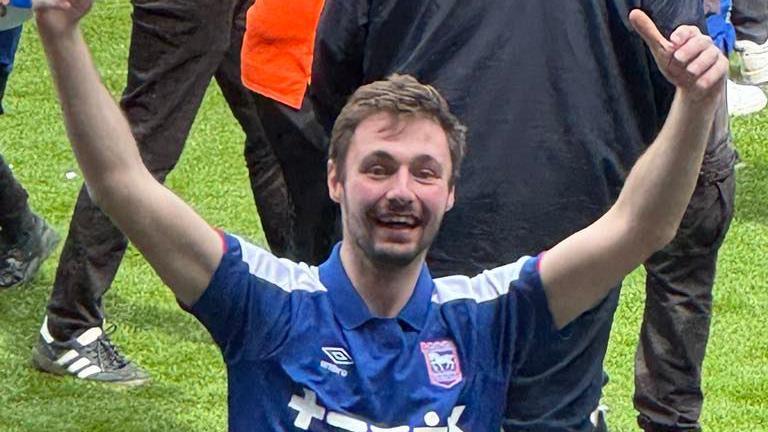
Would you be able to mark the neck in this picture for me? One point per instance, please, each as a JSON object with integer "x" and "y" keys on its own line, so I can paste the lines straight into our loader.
{"x": 385, "y": 289}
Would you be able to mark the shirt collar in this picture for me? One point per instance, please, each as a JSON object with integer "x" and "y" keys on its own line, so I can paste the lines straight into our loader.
{"x": 350, "y": 308}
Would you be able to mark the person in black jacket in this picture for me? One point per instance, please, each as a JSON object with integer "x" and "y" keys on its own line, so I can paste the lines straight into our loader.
{"x": 548, "y": 89}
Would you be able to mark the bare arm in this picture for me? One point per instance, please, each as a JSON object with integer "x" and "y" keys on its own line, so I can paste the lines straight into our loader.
{"x": 581, "y": 270}
{"x": 182, "y": 248}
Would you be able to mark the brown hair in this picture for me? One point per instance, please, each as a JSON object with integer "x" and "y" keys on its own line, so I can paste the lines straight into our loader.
{"x": 400, "y": 95}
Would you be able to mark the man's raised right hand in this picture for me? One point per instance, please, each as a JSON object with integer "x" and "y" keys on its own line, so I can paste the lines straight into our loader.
{"x": 688, "y": 59}
{"x": 57, "y": 17}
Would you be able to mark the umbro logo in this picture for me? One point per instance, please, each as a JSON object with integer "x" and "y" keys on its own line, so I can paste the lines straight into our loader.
{"x": 338, "y": 355}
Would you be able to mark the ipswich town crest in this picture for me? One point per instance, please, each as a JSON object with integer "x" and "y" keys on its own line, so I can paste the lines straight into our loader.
{"x": 442, "y": 362}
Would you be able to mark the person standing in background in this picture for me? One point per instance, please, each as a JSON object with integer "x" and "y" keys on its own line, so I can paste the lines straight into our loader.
{"x": 750, "y": 19}
{"x": 26, "y": 240}
{"x": 9, "y": 43}
{"x": 743, "y": 99}
{"x": 176, "y": 48}
{"x": 555, "y": 117}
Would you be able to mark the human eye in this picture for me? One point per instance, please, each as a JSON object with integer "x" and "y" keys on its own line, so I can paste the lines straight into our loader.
{"x": 426, "y": 173}
{"x": 377, "y": 170}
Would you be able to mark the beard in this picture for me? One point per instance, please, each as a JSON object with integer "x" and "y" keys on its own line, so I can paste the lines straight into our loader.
{"x": 391, "y": 257}
{"x": 389, "y": 252}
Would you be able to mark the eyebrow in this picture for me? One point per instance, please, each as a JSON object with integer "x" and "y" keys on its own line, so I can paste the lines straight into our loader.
{"x": 378, "y": 155}
{"x": 421, "y": 160}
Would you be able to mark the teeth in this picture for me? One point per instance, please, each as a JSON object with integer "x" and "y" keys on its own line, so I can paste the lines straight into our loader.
{"x": 398, "y": 220}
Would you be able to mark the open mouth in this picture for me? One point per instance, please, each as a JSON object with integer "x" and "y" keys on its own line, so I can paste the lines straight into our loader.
{"x": 398, "y": 222}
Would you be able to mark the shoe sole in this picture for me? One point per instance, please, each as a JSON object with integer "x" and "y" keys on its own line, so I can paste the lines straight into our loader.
{"x": 746, "y": 110}
{"x": 42, "y": 363}
{"x": 755, "y": 77}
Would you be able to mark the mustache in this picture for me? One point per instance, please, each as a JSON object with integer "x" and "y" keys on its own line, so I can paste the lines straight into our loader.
{"x": 397, "y": 209}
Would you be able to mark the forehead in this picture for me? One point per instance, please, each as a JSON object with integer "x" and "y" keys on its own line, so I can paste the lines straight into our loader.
{"x": 401, "y": 136}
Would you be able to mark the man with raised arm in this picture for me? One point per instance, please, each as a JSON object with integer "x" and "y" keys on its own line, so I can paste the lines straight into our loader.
{"x": 368, "y": 341}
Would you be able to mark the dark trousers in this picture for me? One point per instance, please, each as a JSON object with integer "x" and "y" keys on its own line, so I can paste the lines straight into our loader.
{"x": 678, "y": 305}
{"x": 750, "y": 18}
{"x": 176, "y": 47}
{"x": 9, "y": 43}
{"x": 15, "y": 215}
{"x": 301, "y": 146}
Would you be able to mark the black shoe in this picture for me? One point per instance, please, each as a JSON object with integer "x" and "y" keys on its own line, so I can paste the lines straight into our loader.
{"x": 90, "y": 356}
{"x": 20, "y": 262}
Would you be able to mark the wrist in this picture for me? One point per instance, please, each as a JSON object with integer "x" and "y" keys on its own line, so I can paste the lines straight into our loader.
{"x": 697, "y": 102}
{"x": 55, "y": 31}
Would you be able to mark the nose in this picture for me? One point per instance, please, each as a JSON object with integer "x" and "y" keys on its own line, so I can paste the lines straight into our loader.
{"x": 401, "y": 189}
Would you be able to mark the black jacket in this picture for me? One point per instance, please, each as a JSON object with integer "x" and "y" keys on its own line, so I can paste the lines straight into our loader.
{"x": 560, "y": 98}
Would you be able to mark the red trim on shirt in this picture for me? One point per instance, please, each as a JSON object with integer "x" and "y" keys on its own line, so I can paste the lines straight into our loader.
{"x": 538, "y": 263}
{"x": 223, "y": 238}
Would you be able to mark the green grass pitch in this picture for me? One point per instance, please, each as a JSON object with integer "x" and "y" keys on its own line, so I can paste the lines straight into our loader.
{"x": 188, "y": 392}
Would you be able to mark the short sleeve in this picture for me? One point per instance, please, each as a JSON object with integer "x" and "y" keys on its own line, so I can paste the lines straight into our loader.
{"x": 532, "y": 317}
{"x": 537, "y": 337}
{"x": 252, "y": 296}
{"x": 511, "y": 309}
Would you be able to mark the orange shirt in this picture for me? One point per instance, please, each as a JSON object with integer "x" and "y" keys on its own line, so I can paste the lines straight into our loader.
{"x": 276, "y": 58}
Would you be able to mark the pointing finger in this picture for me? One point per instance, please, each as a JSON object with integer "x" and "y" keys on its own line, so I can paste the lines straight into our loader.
{"x": 648, "y": 30}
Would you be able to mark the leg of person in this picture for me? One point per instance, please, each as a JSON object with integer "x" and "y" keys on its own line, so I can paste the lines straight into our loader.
{"x": 300, "y": 143}
{"x": 742, "y": 99}
{"x": 16, "y": 218}
{"x": 270, "y": 192}
{"x": 675, "y": 329}
{"x": 9, "y": 43}
{"x": 750, "y": 18}
{"x": 285, "y": 152}
{"x": 175, "y": 48}
{"x": 25, "y": 239}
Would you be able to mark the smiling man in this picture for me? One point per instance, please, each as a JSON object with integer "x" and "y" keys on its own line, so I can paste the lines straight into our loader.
{"x": 369, "y": 341}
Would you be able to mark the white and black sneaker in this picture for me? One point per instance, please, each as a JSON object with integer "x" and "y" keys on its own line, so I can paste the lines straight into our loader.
{"x": 90, "y": 356}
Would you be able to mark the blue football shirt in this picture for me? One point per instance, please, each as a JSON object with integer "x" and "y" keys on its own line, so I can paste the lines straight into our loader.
{"x": 303, "y": 352}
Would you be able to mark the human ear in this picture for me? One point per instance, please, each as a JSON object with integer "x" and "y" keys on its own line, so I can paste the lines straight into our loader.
{"x": 451, "y": 198}
{"x": 335, "y": 189}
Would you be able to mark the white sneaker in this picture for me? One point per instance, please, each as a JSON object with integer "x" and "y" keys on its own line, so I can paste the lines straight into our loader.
{"x": 744, "y": 99}
{"x": 754, "y": 61}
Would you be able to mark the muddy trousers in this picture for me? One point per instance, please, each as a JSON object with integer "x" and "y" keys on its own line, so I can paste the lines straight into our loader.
{"x": 678, "y": 305}
{"x": 15, "y": 216}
